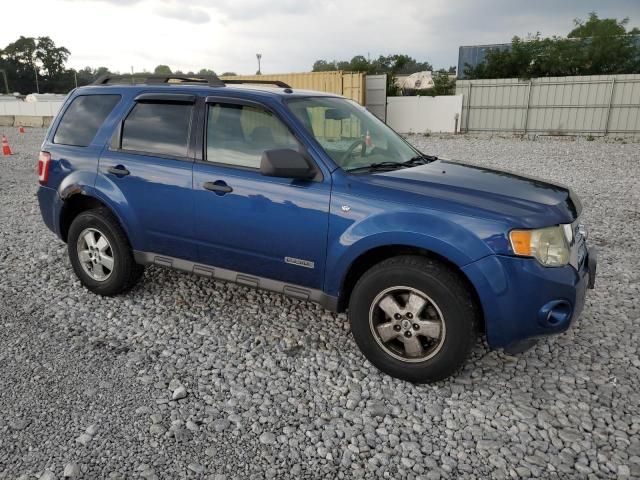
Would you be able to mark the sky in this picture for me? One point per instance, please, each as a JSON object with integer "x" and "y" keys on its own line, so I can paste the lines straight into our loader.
{"x": 225, "y": 35}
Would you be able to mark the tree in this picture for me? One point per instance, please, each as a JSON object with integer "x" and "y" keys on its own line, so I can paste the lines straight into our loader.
{"x": 595, "y": 47}
{"x": 162, "y": 70}
{"x": 607, "y": 46}
{"x": 51, "y": 58}
{"x": 18, "y": 60}
{"x": 442, "y": 83}
{"x": 29, "y": 58}
{"x": 206, "y": 71}
{"x": 323, "y": 66}
{"x": 392, "y": 65}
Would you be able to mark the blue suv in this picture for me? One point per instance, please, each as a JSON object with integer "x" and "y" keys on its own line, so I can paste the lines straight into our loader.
{"x": 309, "y": 195}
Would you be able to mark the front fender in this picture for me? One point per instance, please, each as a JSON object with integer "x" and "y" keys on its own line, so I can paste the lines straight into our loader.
{"x": 460, "y": 240}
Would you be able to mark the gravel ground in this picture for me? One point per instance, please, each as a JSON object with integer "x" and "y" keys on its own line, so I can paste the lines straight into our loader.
{"x": 185, "y": 377}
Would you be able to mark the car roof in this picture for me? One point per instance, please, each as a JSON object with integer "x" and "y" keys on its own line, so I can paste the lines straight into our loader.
{"x": 242, "y": 90}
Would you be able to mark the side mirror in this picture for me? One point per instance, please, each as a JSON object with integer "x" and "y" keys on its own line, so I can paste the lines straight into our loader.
{"x": 287, "y": 163}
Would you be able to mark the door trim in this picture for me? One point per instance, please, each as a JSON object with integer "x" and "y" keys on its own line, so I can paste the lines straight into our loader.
{"x": 295, "y": 291}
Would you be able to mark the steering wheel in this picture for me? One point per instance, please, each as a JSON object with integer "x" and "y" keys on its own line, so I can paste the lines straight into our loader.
{"x": 352, "y": 147}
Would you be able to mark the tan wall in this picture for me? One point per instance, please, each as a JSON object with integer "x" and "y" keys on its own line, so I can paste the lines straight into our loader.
{"x": 349, "y": 84}
{"x": 28, "y": 121}
{"x": 353, "y": 86}
{"x": 25, "y": 121}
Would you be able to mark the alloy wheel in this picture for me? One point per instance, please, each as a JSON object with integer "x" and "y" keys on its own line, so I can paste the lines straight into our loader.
{"x": 407, "y": 324}
{"x": 95, "y": 254}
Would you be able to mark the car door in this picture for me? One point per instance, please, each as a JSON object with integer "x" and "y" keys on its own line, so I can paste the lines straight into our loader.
{"x": 275, "y": 228}
{"x": 149, "y": 171}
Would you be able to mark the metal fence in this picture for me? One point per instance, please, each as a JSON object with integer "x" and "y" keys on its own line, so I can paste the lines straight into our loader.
{"x": 424, "y": 114}
{"x": 597, "y": 105}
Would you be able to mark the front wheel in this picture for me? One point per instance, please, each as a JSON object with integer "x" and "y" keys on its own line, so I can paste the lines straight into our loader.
{"x": 413, "y": 318}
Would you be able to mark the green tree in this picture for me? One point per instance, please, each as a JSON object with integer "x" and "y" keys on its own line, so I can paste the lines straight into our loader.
{"x": 206, "y": 71}
{"x": 442, "y": 83}
{"x": 606, "y": 44}
{"x": 162, "y": 70}
{"x": 51, "y": 58}
{"x": 29, "y": 58}
{"x": 595, "y": 47}
{"x": 392, "y": 65}
{"x": 323, "y": 66}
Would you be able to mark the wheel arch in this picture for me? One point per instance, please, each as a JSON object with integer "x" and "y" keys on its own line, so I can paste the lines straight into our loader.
{"x": 373, "y": 256}
{"x": 78, "y": 202}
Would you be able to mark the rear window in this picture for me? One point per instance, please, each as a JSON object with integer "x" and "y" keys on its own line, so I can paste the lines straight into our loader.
{"x": 158, "y": 128}
{"x": 81, "y": 121}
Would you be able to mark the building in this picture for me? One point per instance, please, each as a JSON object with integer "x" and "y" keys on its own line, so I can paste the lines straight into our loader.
{"x": 475, "y": 54}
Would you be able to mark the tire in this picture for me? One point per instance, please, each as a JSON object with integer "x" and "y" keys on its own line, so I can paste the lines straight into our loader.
{"x": 95, "y": 270}
{"x": 409, "y": 299}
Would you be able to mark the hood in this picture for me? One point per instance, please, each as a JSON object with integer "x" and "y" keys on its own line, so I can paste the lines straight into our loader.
{"x": 524, "y": 201}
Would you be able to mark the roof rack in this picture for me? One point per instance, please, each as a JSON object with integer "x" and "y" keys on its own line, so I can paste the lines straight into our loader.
{"x": 211, "y": 80}
{"x": 277, "y": 83}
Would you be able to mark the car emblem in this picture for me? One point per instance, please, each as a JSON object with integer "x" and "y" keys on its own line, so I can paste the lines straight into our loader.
{"x": 300, "y": 262}
{"x": 346, "y": 208}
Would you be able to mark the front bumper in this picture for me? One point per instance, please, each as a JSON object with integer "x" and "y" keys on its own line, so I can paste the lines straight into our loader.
{"x": 522, "y": 300}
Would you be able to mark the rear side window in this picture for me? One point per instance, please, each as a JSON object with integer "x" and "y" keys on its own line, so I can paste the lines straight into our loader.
{"x": 158, "y": 128}
{"x": 81, "y": 121}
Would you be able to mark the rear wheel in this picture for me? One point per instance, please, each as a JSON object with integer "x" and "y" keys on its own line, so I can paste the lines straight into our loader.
{"x": 100, "y": 253}
{"x": 413, "y": 318}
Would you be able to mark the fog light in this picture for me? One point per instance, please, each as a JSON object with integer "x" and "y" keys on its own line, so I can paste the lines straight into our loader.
{"x": 555, "y": 314}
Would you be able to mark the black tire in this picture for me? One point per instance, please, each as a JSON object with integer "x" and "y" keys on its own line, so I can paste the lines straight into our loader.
{"x": 125, "y": 273}
{"x": 449, "y": 293}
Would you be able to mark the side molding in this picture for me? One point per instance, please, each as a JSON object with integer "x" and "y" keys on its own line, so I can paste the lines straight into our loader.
{"x": 295, "y": 291}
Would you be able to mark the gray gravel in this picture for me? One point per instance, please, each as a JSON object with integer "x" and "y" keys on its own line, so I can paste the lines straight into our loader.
{"x": 185, "y": 377}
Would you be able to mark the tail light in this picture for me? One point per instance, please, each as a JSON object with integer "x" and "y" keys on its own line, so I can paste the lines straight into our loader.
{"x": 44, "y": 160}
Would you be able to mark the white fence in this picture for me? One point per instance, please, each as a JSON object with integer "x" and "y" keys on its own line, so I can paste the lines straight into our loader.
{"x": 595, "y": 104}
{"x": 424, "y": 114}
{"x": 29, "y": 109}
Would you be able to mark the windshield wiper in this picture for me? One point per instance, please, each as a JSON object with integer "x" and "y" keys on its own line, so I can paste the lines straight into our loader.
{"x": 373, "y": 167}
{"x": 420, "y": 160}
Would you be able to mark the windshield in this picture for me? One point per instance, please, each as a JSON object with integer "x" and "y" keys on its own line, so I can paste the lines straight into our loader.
{"x": 354, "y": 138}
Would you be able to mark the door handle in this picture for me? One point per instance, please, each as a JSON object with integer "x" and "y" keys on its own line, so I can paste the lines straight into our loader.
{"x": 118, "y": 171}
{"x": 218, "y": 187}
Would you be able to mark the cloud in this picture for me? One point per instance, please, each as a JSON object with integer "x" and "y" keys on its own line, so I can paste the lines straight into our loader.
{"x": 182, "y": 12}
{"x": 114, "y": 2}
{"x": 173, "y": 9}
{"x": 291, "y": 34}
{"x": 252, "y": 9}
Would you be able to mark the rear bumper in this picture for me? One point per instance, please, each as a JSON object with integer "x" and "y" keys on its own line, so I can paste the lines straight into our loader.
{"x": 522, "y": 300}
{"x": 49, "y": 203}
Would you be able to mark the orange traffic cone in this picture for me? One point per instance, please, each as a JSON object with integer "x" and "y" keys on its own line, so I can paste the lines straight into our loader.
{"x": 6, "y": 149}
{"x": 21, "y": 129}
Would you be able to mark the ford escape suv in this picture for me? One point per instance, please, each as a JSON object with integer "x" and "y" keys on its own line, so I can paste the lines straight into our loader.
{"x": 309, "y": 195}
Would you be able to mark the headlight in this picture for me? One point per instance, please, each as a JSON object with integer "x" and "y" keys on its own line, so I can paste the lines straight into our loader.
{"x": 549, "y": 245}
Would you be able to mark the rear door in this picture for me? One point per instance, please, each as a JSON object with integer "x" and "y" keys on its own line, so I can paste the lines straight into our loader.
{"x": 274, "y": 228}
{"x": 148, "y": 169}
